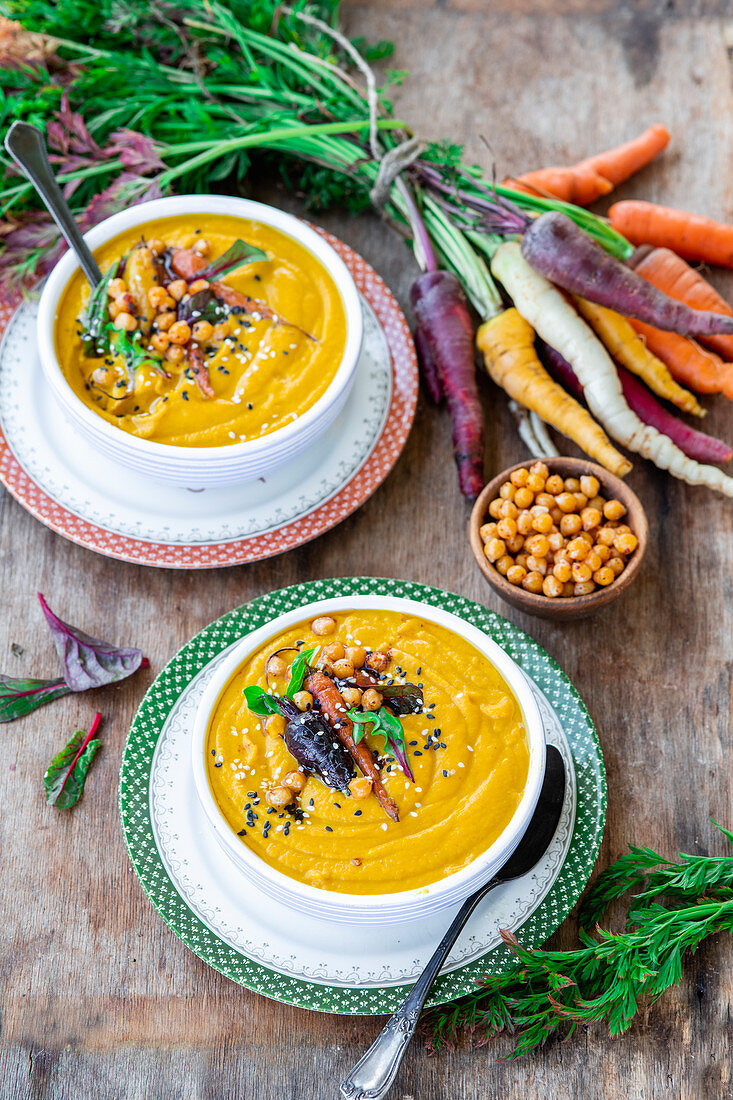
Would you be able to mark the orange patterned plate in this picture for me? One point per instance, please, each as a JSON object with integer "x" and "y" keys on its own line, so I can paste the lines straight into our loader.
{"x": 81, "y": 495}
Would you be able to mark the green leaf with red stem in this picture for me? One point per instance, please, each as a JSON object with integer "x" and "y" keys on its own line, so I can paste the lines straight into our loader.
{"x": 66, "y": 774}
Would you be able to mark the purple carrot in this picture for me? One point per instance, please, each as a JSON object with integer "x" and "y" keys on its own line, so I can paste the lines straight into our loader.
{"x": 561, "y": 251}
{"x": 441, "y": 312}
{"x": 695, "y": 444}
{"x": 428, "y": 366}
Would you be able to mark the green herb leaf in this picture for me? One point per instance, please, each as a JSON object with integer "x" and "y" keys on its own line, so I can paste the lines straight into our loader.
{"x": 66, "y": 774}
{"x": 21, "y": 696}
{"x": 95, "y": 335}
{"x": 298, "y": 670}
{"x": 386, "y": 725}
{"x": 260, "y": 702}
{"x": 236, "y": 256}
{"x": 134, "y": 355}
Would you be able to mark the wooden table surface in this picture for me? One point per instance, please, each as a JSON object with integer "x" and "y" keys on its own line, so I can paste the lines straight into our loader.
{"x": 98, "y": 998}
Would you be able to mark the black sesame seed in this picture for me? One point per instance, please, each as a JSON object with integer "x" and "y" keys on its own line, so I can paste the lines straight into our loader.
{"x": 242, "y": 832}
{"x": 337, "y": 805}
{"x": 329, "y": 829}
{"x": 286, "y": 830}
{"x": 184, "y": 395}
{"x": 213, "y": 752}
{"x": 357, "y": 813}
{"x": 418, "y": 671}
{"x": 218, "y": 764}
{"x": 417, "y": 753}
{"x": 251, "y": 794}
{"x": 445, "y": 773}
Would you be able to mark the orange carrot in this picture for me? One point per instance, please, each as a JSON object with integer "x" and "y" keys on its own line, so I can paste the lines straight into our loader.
{"x": 694, "y": 366}
{"x": 595, "y": 176}
{"x": 669, "y": 273}
{"x": 690, "y": 235}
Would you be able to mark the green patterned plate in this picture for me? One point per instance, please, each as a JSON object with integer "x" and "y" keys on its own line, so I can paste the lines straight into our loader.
{"x": 305, "y": 962}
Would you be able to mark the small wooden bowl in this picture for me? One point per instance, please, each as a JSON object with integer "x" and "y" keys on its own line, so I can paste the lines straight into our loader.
{"x": 572, "y": 607}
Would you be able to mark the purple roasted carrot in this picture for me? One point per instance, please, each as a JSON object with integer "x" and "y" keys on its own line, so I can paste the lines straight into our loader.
{"x": 556, "y": 247}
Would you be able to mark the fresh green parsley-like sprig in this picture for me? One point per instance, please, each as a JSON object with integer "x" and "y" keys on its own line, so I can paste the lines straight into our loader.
{"x": 677, "y": 905}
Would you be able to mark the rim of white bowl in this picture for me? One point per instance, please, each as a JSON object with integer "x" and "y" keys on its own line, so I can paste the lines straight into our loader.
{"x": 174, "y": 205}
{"x": 405, "y": 899}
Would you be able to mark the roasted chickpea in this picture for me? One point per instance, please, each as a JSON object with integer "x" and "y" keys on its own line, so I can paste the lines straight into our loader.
{"x": 488, "y": 531}
{"x": 180, "y": 332}
{"x": 554, "y": 484}
{"x": 522, "y": 559}
{"x": 539, "y": 469}
{"x": 572, "y": 484}
{"x": 371, "y": 699}
{"x": 164, "y": 321}
{"x": 494, "y": 508}
{"x": 357, "y": 655}
{"x": 323, "y": 625}
{"x": 581, "y": 571}
{"x": 583, "y": 588}
{"x": 160, "y": 341}
{"x": 593, "y": 561}
{"x": 590, "y": 518}
{"x": 202, "y": 331}
{"x": 545, "y": 499}
{"x": 613, "y": 509}
{"x": 177, "y": 288}
{"x": 617, "y": 565}
{"x": 516, "y": 574}
{"x": 202, "y": 247}
{"x": 556, "y": 514}
{"x": 543, "y": 523}
{"x": 537, "y": 565}
{"x": 378, "y": 661}
{"x": 117, "y": 287}
{"x": 343, "y": 669}
{"x": 566, "y": 502}
{"x": 570, "y": 524}
{"x": 603, "y": 552}
{"x": 504, "y": 564}
{"x": 333, "y": 652}
{"x": 518, "y": 478}
{"x": 175, "y": 353}
{"x": 533, "y": 582}
{"x": 525, "y": 523}
{"x": 296, "y": 781}
{"x": 303, "y": 700}
{"x": 506, "y": 528}
{"x": 605, "y": 535}
{"x": 279, "y": 797}
{"x": 156, "y": 245}
{"x": 590, "y": 485}
{"x": 221, "y": 331}
{"x": 568, "y": 589}
{"x": 351, "y": 696}
{"x": 626, "y": 543}
{"x": 556, "y": 541}
{"x": 604, "y": 576}
{"x": 508, "y": 510}
{"x": 275, "y": 725}
{"x": 538, "y": 545}
{"x": 125, "y": 321}
{"x": 507, "y": 491}
{"x": 515, "y": 545}
{"x": 360, "y": 788}
{"x": 275, "y": 666}
{"x": 523, "y": 497}
{"x": 578, "y": 549}
{"x": 495, "y": 549}
{"x": 198, "y": 285}
{"x": 581, "y": 500}
{"x": 562, "y": 570}
{"x": 535, "y": 483}
{"x": 159, "y": 298}
{"x": 552, "y": 587}
{"x": 596, "y": 502}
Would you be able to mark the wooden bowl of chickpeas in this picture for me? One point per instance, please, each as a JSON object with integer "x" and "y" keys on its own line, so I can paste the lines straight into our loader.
{"x": 559, "y": 538}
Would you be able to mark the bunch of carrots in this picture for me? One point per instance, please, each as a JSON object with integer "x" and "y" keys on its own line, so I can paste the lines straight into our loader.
{"x": 591, "y": 341}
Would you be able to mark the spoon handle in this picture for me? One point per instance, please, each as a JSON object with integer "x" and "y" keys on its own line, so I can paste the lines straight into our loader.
{"x": 27, "y": 148}
{"x": 373, "y": 1075}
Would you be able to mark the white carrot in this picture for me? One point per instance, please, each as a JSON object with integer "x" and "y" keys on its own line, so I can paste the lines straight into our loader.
{"x": 555, "y": 320}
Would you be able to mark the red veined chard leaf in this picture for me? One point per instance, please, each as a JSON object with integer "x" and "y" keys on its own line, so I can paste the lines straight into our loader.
{"x": 89, "y": 662}
{"x": 19, "y": 697}
{"x": 236, "y": 256}
{"x": 66, "y": 774}
{"x": 381, "y": 723}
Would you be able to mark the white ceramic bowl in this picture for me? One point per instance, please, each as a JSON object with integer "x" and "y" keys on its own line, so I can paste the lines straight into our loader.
{"x": 375, "y": 908}
{"x": 203, "y": 466}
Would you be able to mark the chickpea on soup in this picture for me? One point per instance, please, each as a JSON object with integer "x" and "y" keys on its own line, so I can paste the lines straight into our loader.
{"x": 367, "y": 752}
{"x": 207, "y": 330}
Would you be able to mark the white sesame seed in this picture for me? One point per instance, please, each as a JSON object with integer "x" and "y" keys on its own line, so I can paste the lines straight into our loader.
{"x": 384, "y": 826}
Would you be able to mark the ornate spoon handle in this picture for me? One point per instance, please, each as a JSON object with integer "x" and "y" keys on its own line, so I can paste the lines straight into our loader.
{"x": 374, "y": 1074}
{"x": 27, "y": 148}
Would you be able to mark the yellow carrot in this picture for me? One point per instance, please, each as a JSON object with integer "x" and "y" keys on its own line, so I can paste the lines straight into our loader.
{"x": 507, "y": 344}
{"x": 625, "y": 345}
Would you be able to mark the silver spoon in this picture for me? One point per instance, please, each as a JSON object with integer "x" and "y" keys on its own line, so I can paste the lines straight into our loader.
{"x": 372, "y": 1077}
{"x": 27, "y": 148}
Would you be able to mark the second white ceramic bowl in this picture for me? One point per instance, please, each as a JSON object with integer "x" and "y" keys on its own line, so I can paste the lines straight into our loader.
{"x": 203, "y": 466}
{"x": 349, "y": 909}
